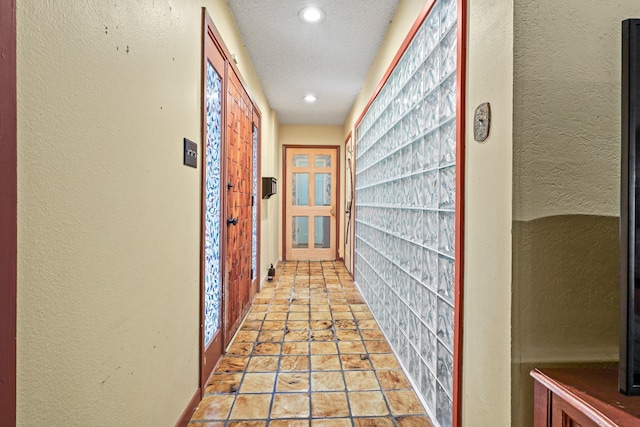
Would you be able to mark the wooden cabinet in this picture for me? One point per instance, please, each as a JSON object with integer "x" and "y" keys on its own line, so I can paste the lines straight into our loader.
{"x": 582, "y": 397}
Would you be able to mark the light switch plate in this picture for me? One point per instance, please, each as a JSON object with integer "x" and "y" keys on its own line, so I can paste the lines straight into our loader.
{"x": 190, "y": 153}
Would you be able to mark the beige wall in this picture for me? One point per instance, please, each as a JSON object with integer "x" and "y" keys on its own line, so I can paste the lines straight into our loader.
{"x": 487, "y": 280}
{"x": 109, "y": 218}
{"x": 317, "y": 135}
{"x": 566, "y": 186}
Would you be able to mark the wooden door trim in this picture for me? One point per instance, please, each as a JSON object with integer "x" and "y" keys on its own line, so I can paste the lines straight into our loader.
{"x": 210, "y": 41}
{"x": 8, "y": 213}
{"x": 284, "y": 193}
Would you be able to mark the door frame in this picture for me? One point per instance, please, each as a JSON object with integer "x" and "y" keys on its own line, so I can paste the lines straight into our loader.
{"x": 216, "y": 346}
{"x": 209, "y": 30}
{"x": 284, "y": 194}
{"x": 8, "y": 213}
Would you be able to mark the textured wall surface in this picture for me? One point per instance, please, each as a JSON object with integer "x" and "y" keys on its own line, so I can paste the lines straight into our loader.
{"x": 566, "y": 186}
{"x": 109, "y": 218}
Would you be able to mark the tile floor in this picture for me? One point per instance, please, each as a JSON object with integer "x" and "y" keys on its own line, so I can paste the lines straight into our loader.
{"x": 309, "y": 354}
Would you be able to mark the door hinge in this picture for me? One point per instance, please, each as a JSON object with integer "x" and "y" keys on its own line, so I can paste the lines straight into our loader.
{"x": 252, "y": 274}
{"x": 253, "y": 200}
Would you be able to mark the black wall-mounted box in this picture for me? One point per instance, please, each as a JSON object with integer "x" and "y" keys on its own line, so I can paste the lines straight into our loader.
{"x": 269, "y": 186}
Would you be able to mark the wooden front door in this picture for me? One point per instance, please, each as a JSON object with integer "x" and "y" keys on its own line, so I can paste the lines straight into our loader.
{"x": 310, "y": 206}
{"x": 239, "y": 189}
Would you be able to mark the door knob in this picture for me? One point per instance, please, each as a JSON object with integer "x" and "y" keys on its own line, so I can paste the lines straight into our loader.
{"x": 332, "y": 212}
{"x": 232, "y": 221}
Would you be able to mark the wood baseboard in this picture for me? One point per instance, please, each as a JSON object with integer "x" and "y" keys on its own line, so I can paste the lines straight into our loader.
{"x": 184, "y": 419}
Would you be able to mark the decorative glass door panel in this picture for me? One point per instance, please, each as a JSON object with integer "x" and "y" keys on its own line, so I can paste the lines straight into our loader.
{"x": 311, "y": 192}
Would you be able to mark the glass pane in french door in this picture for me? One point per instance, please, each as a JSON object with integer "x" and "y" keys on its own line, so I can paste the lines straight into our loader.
{"x": 300, "y": 232}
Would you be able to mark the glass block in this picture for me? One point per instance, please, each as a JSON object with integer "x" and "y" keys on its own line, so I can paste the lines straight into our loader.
{"x": 415, "y": 295}
{"x": 446, "y": 279}
{"x": 444, "y": 407}
{"x": 428, "y": 312}
{"x": 432, "y": 109}
{"x": 445, "y": 324}
{"x": 416, "y": 225}
{"x": 444, "y": 372}
{"x": 432, "y": 72}
{"x": 300, "y": 160}
{"x": 447, "y": 134}
{"x": 406, "y": 160}
{"x": 446, "y": 236}
{"x": 431, "y": 190}
{"x": 430, "y": 230}
{"x": 428, "y": 387}
{"x": 300, "y": 189}
{"x": 448, "y": 15}
{"x": 431, "y": 145}
{"x": 447, "y": 180}
{"x": 413, "y": 361}
{"x": 322, "y": 189}
{"x": 322, "y": 232}
{"x": 428, "y": 347}
{"x": 448, "y": 53}
{"x": 417, "y": 191}
{"x": 416, "y": 260}
{"x": 212, "y": 272}
{"x": 300, "y": 232}
{"x": 432, "y": 29}
{"x": 414, "y": 329}
{"x": 447, "y": 98}
{"x": 322, "y": 160}
{"x": 405, "y": 192}
{"x": 430, "y": 270}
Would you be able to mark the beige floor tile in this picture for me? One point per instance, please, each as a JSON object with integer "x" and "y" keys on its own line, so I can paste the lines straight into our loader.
{"x": 209, "y": 424}
{"x": 332, "y": 422}
{"x": 323, "y": 347}
{"x": 367, "y": 403}
{"x": 296, "y": 336}
{"x": 327, "y": 381}
{"x": 292, "y": 382}
{"x": 404, "y": 402}
{"x": 257, "y": 383}
{"x": 296, "y": 348}
{"x": 275, "y": 317}
{"x": 393, "y": 379}
{"x": 323, "y": 335}
{"x": 372, "y": 334}
{"x": 351, "y": 347}
{"x": 321, "y": 315}
{"x": 240, "y": 349}
{"x": 295, "y": 325}
{"x": 251, "y": 407}
{"x": 377, "y": 347}
{"x": 246, "y": 336}
{"x": 325, "y": 363}
{"x": 327, "y": 405}
{"x": 414, "y": 422}
{"x": 294, "y": 363}
{"x": 267, "y": 349}
{"x": 247, "y": 424}
{"x": 273, "y": 325}
{"x": 214, "y": 408}
{"x": 361, "y": 380}
{"x": 299, "y": 316}
{"x": 232, "y": 364}
{"x": 348, "y": 335}
{"x": 355, "y": 362}
{"x": 289, "y": 423}
{"x": 290, "y": 406}
{"x": 318, "y": 325}
{"x": 263, "y": 364}
{"x": 223, "y": 383}
{"x": 345, "y": 324}
{"x": 384, "y": 361}
{"x": 373, "y": 422}
{"x": 271, "y": 336}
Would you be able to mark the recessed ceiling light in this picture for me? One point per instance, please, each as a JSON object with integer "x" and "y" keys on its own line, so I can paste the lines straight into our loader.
{"x": 311, "y": 98}
{"x": 311, "y": 14}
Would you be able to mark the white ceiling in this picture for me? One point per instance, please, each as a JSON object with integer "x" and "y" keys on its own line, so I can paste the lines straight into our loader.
{"x": 329, "y": 59}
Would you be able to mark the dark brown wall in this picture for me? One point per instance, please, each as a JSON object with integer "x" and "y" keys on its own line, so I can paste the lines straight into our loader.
{"x": 8, "y": 224}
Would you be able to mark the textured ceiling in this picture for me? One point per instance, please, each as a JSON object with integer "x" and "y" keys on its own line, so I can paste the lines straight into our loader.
{"x": 329, "y": 59}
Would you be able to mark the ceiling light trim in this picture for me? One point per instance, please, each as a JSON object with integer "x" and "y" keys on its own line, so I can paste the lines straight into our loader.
{"x": 311, "y": 14}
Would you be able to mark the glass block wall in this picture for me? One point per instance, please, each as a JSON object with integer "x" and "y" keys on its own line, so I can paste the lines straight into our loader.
{"x": 405, "y": 206}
